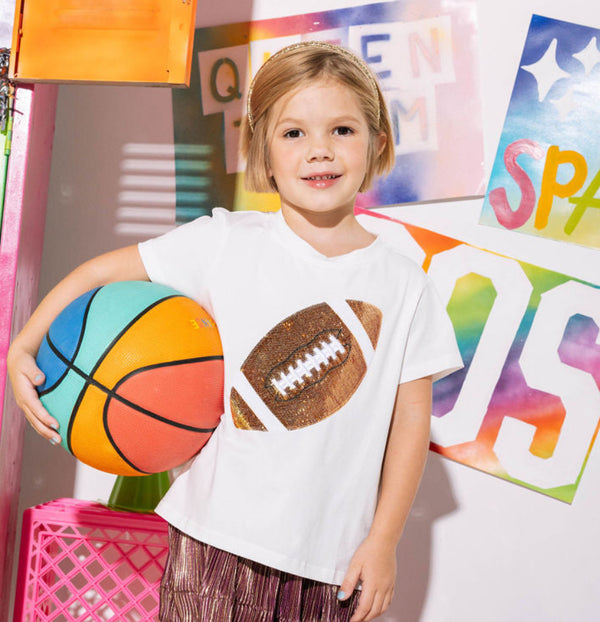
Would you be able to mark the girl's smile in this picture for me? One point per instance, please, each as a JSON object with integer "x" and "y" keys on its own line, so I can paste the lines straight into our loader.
{"x": 325, "y": 180}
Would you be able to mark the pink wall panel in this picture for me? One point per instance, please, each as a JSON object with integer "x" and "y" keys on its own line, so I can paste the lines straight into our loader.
{"x": 21, "y": 242}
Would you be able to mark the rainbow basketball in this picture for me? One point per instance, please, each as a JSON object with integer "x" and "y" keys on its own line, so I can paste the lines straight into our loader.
{"x": 134, "y": 376}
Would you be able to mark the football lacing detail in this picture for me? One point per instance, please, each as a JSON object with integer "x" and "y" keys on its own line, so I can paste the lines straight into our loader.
{"x": 308, "y": 365}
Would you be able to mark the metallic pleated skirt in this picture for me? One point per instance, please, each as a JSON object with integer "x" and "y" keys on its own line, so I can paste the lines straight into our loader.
{"x": 204, "y": 584}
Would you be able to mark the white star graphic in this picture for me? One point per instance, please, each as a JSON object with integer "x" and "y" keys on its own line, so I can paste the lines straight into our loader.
{"x": 589, "y": 57}
{"x": 546, "y": 71}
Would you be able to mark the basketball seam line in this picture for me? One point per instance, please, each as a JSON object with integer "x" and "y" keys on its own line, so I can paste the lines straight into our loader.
{"x": 91, "y": 381}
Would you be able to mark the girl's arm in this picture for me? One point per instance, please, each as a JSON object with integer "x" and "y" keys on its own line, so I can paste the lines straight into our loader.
{"x": 374, "y": 563}
{"x": 120, "y": 265}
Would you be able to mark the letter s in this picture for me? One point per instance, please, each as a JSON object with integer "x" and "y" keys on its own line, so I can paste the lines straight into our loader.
{"x": 544, "y": 371}
{"x": 498, "y": 199}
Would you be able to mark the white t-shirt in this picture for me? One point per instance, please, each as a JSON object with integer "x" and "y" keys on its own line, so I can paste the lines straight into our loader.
{"x": 314, "y": 348}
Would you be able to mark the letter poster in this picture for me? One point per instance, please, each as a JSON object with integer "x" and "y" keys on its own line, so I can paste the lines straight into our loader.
{"x": 526, "y": 405}
{"x": 424, "y": 53}
{"x": 546, "y": 174}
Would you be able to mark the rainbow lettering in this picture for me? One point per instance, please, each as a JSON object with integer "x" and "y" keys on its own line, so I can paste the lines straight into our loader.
{"x": 526, "y": 406}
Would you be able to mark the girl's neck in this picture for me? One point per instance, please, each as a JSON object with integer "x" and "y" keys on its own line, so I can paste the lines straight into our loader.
{"x": 329, "y": 234}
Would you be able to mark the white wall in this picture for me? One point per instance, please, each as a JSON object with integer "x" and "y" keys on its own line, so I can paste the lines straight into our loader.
{"x": 476, "y": 548}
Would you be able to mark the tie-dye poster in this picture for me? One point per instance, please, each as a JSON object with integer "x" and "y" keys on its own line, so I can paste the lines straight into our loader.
{"x": 547, "y": 169}
{"x": 526, "y": 406}
{"x": 424, "y": 53}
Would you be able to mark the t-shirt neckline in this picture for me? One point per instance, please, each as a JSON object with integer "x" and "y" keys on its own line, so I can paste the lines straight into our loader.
{"x": 294, "y": 242}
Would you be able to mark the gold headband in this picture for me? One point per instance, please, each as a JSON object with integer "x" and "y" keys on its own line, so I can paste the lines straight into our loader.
{"x": 358, "y": 62}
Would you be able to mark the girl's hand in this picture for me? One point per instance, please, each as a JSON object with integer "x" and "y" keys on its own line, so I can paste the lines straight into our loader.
{"x": 24, "y": 376}
{"x": 374, "y": 564}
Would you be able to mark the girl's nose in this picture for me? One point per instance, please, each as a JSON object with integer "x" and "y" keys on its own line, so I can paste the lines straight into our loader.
{"x": 319, "y": 150}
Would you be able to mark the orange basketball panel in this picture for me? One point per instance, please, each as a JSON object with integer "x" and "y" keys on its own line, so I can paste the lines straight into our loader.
{"x": 189, "y": 394}
{"x": 176, "y": 329}
{"x": 89, "y": 442}
{"x": 138, "y": 41}
{"x": 151, "y": 445}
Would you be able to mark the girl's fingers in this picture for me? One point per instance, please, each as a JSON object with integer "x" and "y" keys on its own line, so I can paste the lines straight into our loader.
{"x": 39, "y": 418}
{"x": 372, "y": 606}
{"x": 37, "y": 378}
{"x": 30, "y": 370}
{"x": 388, "y": 600}
{"x": 25, "y": 377}
{"x": 349, "y": 583}
{"x": 43, "y": 424}
{"x": 365, "y": 604}
{"x": 377, "y": 608}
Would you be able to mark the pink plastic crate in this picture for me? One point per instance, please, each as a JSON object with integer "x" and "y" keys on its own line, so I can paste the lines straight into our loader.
{"x": 82, "y": 561}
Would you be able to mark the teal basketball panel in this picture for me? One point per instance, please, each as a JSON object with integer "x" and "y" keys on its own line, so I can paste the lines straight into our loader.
{"x": 62, "y": 400}
{"x": 113, "y": 308}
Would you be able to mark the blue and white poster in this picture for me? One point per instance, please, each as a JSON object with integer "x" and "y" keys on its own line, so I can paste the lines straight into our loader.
{"x": 546, "y": 173}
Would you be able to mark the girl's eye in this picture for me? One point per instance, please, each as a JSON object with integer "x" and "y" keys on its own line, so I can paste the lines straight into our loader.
{"x": 343, "y": 131}
{"x": 293, "y": 134}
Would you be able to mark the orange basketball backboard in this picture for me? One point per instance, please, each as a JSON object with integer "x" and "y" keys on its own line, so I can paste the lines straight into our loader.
{"x": 133, "y": 41}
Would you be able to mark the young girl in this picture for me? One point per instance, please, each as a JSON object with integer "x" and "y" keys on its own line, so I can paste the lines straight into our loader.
{"x": 331, "y": 339}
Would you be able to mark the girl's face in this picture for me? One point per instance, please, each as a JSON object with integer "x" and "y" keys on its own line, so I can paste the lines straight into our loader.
{"x": 318, "y": 149}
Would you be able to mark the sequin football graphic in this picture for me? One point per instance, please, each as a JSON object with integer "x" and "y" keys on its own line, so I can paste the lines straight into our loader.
{"x": 308, "y": 366}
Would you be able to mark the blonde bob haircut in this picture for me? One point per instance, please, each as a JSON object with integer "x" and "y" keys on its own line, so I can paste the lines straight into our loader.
{"x": 293, "y": 68}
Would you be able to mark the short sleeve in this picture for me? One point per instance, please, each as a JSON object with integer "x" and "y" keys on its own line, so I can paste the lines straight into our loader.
{"x": 183, "y": 258}
{"x": 431, "y": 348}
